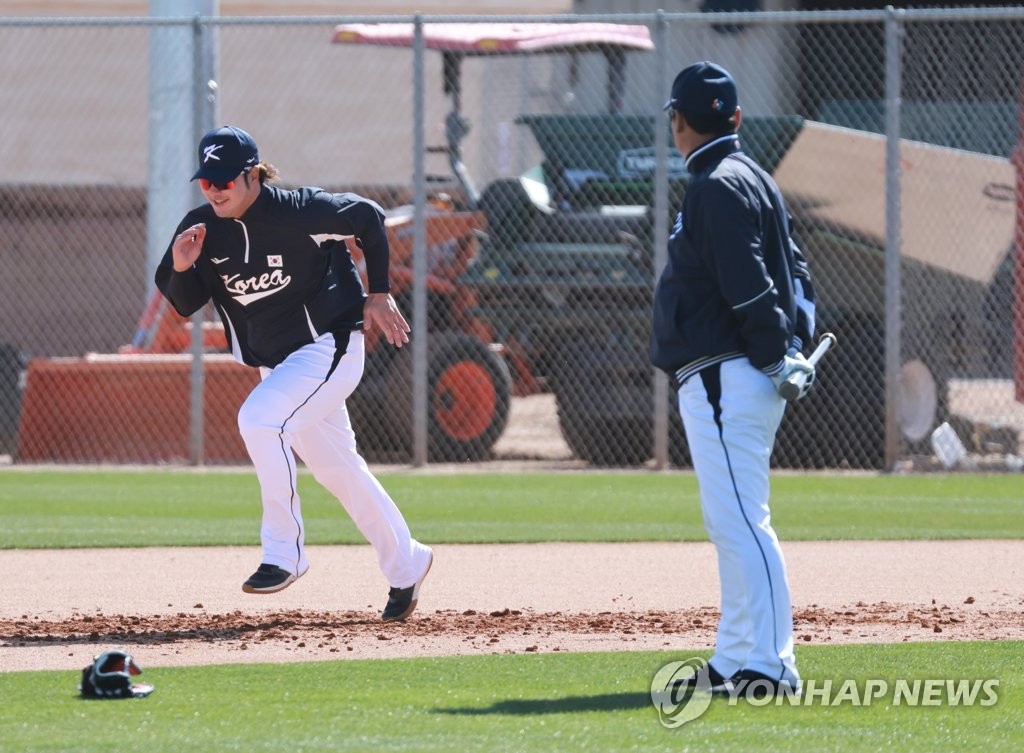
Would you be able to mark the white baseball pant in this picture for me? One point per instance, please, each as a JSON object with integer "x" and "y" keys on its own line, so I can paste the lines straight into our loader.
{"x": 300, "y": 405}
{"x": 731, "y": 413}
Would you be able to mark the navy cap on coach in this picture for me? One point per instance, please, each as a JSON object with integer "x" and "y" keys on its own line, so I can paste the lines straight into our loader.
{"x": 705, "y": 91}
{"x": 224, "y": 153}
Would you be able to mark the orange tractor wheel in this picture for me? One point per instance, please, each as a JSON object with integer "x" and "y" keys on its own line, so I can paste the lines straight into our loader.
{"x": 469, "y": 388}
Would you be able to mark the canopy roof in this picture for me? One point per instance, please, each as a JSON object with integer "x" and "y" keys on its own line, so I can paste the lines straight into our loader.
{"x": 500, "y": 38}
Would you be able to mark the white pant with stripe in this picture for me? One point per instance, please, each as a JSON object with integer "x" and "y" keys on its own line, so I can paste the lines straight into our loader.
{"x": 731, "y": 413}
{"x": 300, "y": 406}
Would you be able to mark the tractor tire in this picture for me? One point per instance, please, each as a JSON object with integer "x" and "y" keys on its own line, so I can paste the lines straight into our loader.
{"x": 380, "y": 409}
{"x": 469, "y": 390}
{"x": 841, "y": 423}
{"x": 678, "y": 449}
{"x": 468, "y": 395}
{"x": 12, "y": 366}
{"x": 603, "y": 394}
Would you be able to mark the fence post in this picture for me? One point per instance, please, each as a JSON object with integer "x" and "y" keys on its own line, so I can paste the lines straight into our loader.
{"x": 661, "y": 211}
{"x": 893, "y": 240}
{"x": 419, "y": 254}
{"x": 170, "y": 130}
{"x": 204, "y": 115}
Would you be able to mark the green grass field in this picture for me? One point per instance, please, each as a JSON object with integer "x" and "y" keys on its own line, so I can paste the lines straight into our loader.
{"x": 176, "y": 508}
{"x": 526, "y": 702}
{"x": 549, "y": 702}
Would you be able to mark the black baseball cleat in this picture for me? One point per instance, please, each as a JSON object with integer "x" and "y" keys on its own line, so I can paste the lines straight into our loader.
{"x": 402, "y": 601}
{"x": 268, "y": 579}
{"x": 748, "y": 683}
{"x": 711, "y": 681}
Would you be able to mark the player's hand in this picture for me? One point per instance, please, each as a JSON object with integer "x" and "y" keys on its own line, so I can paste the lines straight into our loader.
{"x": 793, "y": 367}
{"x": 187, "y": 246}
{"x": 380, "y": 310}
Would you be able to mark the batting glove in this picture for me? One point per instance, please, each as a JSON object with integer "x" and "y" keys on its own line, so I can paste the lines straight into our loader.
{"x": 793, "y": 366}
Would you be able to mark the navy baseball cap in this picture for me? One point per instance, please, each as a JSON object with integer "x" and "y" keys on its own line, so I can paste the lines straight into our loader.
{"x": 705, "y": 92}
{"x": 224, "y": 153}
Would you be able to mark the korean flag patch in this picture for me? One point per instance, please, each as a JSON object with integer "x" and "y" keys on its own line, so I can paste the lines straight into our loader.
{"x": 275, "y": 261}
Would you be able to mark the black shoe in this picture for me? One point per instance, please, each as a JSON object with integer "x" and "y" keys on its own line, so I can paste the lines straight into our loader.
{"x": 747, "y": 683}
{"x": 711, "y": 681}
{"x": 402, "y": 601}
{"x": 267, "y": 579}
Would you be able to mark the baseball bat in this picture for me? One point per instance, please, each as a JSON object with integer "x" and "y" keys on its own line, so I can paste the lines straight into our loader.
{"x": 790, "y": 389}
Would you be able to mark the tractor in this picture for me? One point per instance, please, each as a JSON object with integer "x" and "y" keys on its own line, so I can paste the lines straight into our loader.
{"x": 563, "y": 276}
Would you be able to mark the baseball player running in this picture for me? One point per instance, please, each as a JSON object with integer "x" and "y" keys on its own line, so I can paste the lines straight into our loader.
{"x": 732, "y": 309}
{"x": 277, "y": 269}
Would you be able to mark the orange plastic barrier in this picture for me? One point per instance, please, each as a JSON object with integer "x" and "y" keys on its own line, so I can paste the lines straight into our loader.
{"x": 129, "y": 409}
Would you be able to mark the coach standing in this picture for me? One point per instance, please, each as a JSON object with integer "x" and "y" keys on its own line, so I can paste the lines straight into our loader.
{"x": 275, "y": 265}
{"x": 732, "y": 310}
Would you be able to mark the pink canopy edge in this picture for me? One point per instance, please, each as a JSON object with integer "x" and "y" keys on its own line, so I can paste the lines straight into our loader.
{"x": 494, "y": 38}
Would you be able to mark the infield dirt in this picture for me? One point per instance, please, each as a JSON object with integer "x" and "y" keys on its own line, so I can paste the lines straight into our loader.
{"x": 184, "y": 606}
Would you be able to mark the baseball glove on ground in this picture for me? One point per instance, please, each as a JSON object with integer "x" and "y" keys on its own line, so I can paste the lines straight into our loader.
{"x": 110, "y": 676}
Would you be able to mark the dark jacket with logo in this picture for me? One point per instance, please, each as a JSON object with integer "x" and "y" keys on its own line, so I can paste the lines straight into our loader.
{"x": 281, "y": 276}
{"x": 735, "y": 284}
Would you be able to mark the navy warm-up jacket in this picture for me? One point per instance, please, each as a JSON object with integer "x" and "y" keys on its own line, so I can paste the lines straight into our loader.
{"x": 281, "y": 276}
{"x": 735, "y": 284}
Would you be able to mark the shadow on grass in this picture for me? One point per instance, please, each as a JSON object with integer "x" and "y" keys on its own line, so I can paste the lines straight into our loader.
{"x": 567, "y": 705}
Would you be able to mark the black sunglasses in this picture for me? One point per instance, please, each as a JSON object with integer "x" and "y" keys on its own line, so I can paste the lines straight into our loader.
{"x": 208, "y": 184}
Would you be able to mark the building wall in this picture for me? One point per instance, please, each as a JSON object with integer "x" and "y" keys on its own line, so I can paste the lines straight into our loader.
{"x": 56, "y": 8}
{"x": 66, "y": 123}
{"x": 757, "y": 57}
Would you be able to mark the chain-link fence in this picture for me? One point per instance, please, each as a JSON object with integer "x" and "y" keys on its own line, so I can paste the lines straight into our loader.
{"x": 530, "y": 183}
